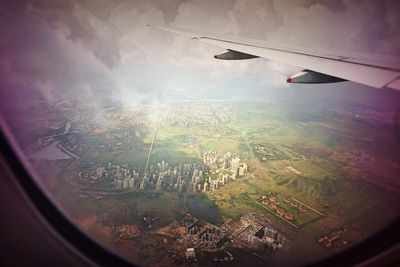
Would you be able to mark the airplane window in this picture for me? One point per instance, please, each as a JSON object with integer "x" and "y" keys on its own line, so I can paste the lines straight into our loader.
{"x": 170, "y": 156}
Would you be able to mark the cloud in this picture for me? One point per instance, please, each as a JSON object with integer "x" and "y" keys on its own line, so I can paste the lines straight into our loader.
{"x": 76, "y": 49}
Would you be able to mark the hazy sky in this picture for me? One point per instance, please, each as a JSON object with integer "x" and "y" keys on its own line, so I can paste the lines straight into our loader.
{"x": 69, "y": 49}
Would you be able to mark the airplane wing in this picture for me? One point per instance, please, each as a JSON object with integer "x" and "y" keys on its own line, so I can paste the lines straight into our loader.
{"x": 319, "y": 66}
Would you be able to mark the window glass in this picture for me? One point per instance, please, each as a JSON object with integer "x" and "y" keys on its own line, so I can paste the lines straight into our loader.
{"x": 169, "y": 156}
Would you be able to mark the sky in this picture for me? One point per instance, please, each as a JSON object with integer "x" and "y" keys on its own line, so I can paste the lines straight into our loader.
{"x": 57, "y": 50}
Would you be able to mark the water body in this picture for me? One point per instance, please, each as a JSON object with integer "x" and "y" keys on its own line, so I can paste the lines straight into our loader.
{"x": 66, "y": 130}
{"x": 202, "y": 208}
{"x": 50, "y": 152}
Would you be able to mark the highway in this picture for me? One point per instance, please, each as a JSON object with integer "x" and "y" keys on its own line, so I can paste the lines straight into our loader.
{"x": 151, "y": 145}
{"x": 149, "y": 155}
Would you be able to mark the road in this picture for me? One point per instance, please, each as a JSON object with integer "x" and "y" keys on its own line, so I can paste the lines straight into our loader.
{"x": 151, "y": 145}
{"x": 149, "y": 155}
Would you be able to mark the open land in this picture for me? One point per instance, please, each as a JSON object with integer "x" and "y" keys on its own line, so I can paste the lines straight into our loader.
{"x": 207, "y": 182}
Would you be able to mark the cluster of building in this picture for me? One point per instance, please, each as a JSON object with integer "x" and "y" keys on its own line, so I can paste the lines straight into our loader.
{"x": 113, "y": 147}
{"x": 330, "y": 239}
{"x": 191, "y": 256}
{"x": 179, "y": 178}
{"x": 188, "y": 177}
{"x": 118, "y": 140}
{"x": 264, "y": 151}
{"x": 179, "y": 114}
{"x": 196, "y": 114}
{"x": 73, "y": 143}
{"x": 192, "y": 177}
{"x": 206, "y": 237}
{"x": 271, "y": 201}
{"x": 121, "y": 176}
{"x": 133, "y": 117}
{"x": 259, "y": 234}
{"x": 160, "y": 177}
{"x": 224, "y": 166}
{"x": 219, "y": 168}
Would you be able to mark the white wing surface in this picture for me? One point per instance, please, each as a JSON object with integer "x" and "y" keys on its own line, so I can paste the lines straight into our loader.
{"x": 377, "y": 71}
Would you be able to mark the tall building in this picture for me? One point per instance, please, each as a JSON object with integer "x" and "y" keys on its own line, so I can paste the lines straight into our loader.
{"x": 205, "y": 187}
{"x": 235, "y": 164}
{"x": 270, "y": 232}
{"x": 191, "y": 187}
{"x": 162, "y": 165}
{"x": 180, "y": 187}
{"x": 125, "y": 183}
{"x": 172, "y": 181}
{"x": 159, "y": 184}
{"x": 242, "y": 169}
{"x": 131, "y": 182}
{"x": 142, "y": 185}
{"x": 118, "y": 171}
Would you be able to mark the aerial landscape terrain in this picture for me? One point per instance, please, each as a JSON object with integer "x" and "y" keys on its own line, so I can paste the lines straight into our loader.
{"x": 203, "y": 182}
{"x": 201, "y": 133}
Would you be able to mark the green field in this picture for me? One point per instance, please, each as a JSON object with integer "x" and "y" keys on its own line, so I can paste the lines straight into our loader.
{"x": 296, "y": 151}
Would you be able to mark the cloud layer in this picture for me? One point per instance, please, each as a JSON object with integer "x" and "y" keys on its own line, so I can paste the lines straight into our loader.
{"x": 78, "y": 49}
